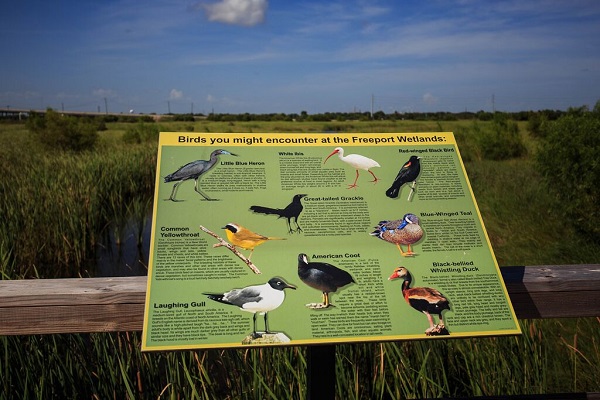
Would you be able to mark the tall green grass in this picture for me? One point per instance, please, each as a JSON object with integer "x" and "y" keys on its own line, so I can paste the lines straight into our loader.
{"x": 56, "y": 206}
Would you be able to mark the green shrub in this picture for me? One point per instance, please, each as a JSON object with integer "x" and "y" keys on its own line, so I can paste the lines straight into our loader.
{"x": 502, "y": 140}
{"x": 569, "y": 161}
{"x": 142, "y": 132}
{"x": 58, "y": 131}
{"x": 535, "y": 124}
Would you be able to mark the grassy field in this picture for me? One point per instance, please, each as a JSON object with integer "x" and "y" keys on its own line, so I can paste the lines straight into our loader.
{"x": 56, "y": 207}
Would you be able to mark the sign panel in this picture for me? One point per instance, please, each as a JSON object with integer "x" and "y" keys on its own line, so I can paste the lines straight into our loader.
{"x": 293, "y": 239}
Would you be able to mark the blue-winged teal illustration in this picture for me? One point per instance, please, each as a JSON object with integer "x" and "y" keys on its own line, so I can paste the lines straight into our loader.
{"x": 424, "y": 299}
{"x": 408, "y": 173}
{"x": 322, "y": 276}
{"x": 256, "y": 299}
{"x": 406, "y": 231}
{"x": 290, "y": 212}
{"x": 194, "y": 170}
{"x": 357, "y": 162}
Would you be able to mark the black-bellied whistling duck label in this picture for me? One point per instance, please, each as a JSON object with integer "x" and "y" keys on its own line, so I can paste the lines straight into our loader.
{"x": 264, "y": 239}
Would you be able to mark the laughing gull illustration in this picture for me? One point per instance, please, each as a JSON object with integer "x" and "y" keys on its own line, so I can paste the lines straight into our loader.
{"x": 255, "y": 299}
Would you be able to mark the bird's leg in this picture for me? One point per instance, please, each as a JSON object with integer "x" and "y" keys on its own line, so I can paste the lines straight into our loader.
{"x": 266, "y": 324}
{"x": 409, "y": 251}
{"x": 355, "y": 180}
{"x": 326, "y": 300}
{"x": 375, "y": 179}
{"x": 441, "y": 325}
{"x": 255, "y": 335}
{"x": 403, "y": 253}
{"x": 197, "y": 189}
{"x": 289, "y": 224}
{"x": 298, "y": 229}
{"x": 431, "y": 325}
{"x": 174, "y": 192}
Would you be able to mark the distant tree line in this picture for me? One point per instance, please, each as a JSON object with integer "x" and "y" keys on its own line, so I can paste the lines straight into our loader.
{"x": 549, "y": 115}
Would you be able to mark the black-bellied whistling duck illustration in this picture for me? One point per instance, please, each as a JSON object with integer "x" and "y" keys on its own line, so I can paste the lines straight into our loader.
{"x": 424, "y": 299}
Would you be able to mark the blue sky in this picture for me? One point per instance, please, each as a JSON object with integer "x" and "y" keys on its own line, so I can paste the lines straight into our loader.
{"x": 271, "y": 56}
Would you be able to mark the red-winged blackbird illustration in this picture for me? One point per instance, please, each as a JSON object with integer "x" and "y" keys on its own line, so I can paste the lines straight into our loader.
{"x": 408, "y": 173}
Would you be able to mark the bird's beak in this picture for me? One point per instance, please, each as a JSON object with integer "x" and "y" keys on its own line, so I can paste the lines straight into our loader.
{"x": 334, "y": 152}
{"x": 393, "y": 276}
{"x": 290, "y": 286}
{"x": 233, "y": 154}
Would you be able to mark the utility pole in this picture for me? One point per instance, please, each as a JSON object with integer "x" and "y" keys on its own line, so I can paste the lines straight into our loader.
{"x": 169, "y": 106}
{"x": 192, "y": 108}
{"x": 372, "y": 102}
{"x": 105, "y": 106}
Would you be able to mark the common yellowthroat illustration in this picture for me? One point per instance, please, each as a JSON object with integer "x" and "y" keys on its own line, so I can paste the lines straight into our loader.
{"x": 244, "y": 238}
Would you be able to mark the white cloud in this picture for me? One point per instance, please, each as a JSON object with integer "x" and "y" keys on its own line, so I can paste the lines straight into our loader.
{"x": 237, "y": 12}
{"x": 430, "y": 99}
{"x": 175, "y": 94}
{"x": 104, "y": 93}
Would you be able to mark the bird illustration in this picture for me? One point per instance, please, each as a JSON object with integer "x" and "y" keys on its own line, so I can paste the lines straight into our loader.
{"x": 290, "y": 212}
{"x": 245, "y": 238}
{"x": 358, "y": 162}
{"x": 408, "y": 173}
{"x": 255, "y": 299}
{"x": 405, "y": 231}
{"x": 424, "y": 299}
{"x": 194, "y": 170}
{"x": 322, "y": 276}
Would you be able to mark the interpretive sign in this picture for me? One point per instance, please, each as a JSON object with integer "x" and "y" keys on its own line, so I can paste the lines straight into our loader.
{"x": 294, "y": 238}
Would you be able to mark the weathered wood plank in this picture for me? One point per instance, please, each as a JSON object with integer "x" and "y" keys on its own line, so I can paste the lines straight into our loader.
{"x": 554, "y": 291}
{"x": 117, "y": 304}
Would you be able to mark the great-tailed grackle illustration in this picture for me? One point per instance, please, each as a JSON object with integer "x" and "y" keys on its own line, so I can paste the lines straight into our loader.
{"x": 194, "y": 170}
{"x": 291, "y": 212}
{"x": 408, "y": 173}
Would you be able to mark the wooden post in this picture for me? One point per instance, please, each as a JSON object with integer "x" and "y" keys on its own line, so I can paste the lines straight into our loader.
{"x": 320, "y": 372}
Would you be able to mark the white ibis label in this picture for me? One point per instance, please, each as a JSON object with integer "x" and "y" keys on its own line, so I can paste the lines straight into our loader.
{"x": 297, "y": 238}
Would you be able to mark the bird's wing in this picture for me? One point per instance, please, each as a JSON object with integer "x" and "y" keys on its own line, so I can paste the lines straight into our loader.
{"x": 403, "y": 172}
{"x": 186, "y": 171}
{"x": 337, "y": 276}
{"x": 239, "y": 297}
{"x": 426, "y": 293}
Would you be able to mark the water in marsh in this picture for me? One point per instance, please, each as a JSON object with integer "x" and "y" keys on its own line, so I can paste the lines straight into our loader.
{"x": 124, "y": 252}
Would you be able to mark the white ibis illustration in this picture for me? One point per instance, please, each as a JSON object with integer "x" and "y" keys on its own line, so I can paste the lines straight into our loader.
{"x": 357, "y": 161}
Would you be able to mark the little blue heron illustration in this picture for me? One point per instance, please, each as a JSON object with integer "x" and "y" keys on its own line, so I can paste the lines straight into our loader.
{"x": 194, "y": 170}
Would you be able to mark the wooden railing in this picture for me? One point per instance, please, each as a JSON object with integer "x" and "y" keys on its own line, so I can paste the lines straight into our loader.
{"x": 47, "y": 306}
